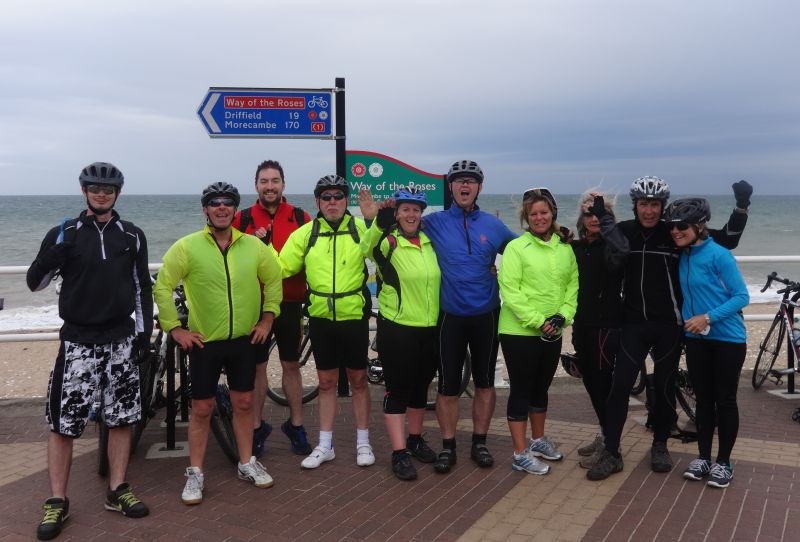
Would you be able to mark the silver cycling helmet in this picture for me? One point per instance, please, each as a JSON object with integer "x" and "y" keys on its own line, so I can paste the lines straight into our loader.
{"x": 465, "y": 168}
{"x": 649, "y": 188}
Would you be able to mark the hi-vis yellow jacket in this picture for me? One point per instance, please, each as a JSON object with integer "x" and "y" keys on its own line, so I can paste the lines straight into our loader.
{"x": 334, "y": 264}
{"x": 222, "y": 288}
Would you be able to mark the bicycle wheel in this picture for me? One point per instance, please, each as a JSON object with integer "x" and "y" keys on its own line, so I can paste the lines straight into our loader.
{"x": 768, "y": 351}
{"x": 102, "y": 448}
{"x": 308, "y": 373}
{"x": 149, "y": 375}
{"x": 640, "y": 382}
{"x": 684, "y": 393}
{"x": 433, "y": 387}
{"x": 222, "y": 424}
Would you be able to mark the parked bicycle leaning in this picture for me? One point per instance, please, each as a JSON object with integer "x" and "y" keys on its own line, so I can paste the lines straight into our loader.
{"x": 221, "y": 269}
{"x": 714, "y": 294}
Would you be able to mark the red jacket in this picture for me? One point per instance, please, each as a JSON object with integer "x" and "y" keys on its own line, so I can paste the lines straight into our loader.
{"x": 279, "y": 226}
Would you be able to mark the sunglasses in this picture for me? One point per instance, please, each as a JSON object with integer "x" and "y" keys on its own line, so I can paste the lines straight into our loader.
{"x": 106, "y": 189}
{"x": 466, "y": 180}
{"x": 587, "y": 213}
{"x": 682, "y": 226}
{"x": 216, "y": 202}
{"x": 338, "y": 196}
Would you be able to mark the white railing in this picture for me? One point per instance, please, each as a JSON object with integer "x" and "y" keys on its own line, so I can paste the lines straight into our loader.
{"x": 46, "y": 334}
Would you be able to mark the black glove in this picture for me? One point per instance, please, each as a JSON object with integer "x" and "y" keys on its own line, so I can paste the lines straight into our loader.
{"x": 140, "y": 349}
{"x": 742, "y": 191}
{"x": 55, "y": 256}
{"x": 598, "y": 208}
{"x": 385, "y": 217}
{"x": 556, "y": 321}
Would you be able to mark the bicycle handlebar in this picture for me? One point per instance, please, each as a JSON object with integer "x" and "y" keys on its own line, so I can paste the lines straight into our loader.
{"x": 791, "y": 286}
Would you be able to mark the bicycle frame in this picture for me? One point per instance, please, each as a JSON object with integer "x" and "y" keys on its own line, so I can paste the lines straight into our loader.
{"x": 783, "y": 324}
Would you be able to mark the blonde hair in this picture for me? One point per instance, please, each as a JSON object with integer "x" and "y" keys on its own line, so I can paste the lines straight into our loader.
{"x": 588, "y": 197}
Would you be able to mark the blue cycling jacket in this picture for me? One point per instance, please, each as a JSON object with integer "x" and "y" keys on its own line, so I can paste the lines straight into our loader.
{"x": 466, "y": 245}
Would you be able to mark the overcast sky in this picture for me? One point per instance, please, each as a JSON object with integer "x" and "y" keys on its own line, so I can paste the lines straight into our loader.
{"x": 561, "y": 93}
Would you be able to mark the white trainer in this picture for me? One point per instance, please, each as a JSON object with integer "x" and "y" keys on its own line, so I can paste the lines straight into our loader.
{"x": 364, "y": 455}
{"x": 255, "y": 473}
{"x": 318, "y": 457}
{"x": 193, "y": 490}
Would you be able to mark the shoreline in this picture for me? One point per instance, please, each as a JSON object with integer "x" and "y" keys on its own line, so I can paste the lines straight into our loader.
{"x": 25, "y": 366}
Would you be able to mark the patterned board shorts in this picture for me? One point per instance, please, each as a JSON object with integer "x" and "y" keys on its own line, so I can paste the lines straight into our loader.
{"x": 87, "y": 375}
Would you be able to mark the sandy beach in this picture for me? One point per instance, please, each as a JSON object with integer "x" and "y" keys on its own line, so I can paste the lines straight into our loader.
{"x": 25, "y": 366}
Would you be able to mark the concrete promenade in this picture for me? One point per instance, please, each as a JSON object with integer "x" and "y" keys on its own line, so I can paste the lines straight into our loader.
{"x": 340, "y": 501}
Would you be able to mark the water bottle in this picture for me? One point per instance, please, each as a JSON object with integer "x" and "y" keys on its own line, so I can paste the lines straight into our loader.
{"x": 796, "y": 337}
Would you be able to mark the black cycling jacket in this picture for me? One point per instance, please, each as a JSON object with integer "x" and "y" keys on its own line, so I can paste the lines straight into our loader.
{"x": 650, "y": 288}
{"x": 105, "y": 281}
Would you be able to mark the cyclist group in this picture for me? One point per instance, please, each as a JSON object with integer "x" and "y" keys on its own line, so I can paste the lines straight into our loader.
{"x": 439, "y": 295}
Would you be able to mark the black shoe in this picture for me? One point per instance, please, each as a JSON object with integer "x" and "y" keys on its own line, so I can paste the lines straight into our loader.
{"x": 606, "y": 465}
{"x": 56, "y": 512}
{"x": 481, "y": 456}
{"x": 445, "y": 461}
{"x": 402, "y": 467}
{"x": 660, "y": 460}
{"x": 420, "y": 449}
{"x": 123, "y": 500}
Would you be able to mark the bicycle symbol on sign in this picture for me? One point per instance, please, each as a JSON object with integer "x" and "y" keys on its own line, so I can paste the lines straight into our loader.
{"x": 317, "y": 101}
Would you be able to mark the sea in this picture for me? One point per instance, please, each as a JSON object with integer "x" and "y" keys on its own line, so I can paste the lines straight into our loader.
{"x": 772, "y": 230}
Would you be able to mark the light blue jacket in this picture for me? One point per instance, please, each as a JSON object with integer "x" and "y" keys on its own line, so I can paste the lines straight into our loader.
{"x": 712, "y": 284}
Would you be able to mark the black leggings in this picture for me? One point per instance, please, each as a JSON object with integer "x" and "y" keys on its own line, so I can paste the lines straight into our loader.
{"x": 531, "y": 364}
{"x": 714, "y": 367}
{"x": 636, "y": 340}
{"x": 596, "y": 349}
{"x": 409, "y": 356}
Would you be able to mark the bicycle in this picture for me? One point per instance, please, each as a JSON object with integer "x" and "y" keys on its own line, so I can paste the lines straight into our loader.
{"x": 156, "y": 381}
{"x": 770, "y": 346}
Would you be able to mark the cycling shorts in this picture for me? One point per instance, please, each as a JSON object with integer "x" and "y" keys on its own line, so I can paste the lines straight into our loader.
{"x": 236, "y": 356}
{"x": 339, "y": 344}
{"x": 479, "y": 332}
{"x": 85, "y": 374}
{"x": 287, "y": 329}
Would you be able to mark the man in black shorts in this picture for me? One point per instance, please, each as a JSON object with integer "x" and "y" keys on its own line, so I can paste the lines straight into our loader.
{"x": 222, "y": 271}
{"x": 272, "y": 219}
{"x": 103, "y": 263}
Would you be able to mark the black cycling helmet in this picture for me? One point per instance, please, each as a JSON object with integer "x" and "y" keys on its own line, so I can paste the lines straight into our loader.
{"x": 331, "y": 181}
{"x": 649, "y": 188}
{"x": 465, "y": 168}
{"x": 220, "y": 189}
{"x": 569, "y": 362}
{"x": 542, "y": 193}
{"x": 101, "y": 173}
{"x": 410, "y": 195}
{"x": 690, "y": 210}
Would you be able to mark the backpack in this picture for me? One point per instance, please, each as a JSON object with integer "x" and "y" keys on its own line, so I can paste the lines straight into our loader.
{"x": 69, "y": 229}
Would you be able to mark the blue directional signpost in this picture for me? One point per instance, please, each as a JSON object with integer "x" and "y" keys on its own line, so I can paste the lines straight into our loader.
{"x": 277, "y": 113}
